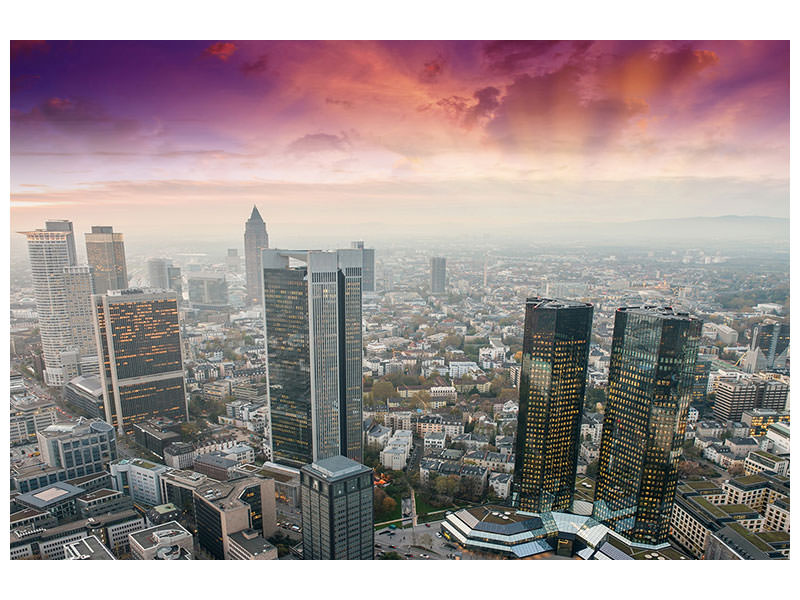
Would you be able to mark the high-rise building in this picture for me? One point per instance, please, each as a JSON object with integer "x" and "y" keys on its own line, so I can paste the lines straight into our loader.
{"x": 80, "y": 448}
{"x": 312, "y": 312}
{"x": 105, "y": 253}
{"x": 163, "y": 275}
{"x": 141, "y": 367}
{"x": 735, "y": 396}
{"x": 650, "y": 381}
{"x": 702, "y": 369}
{"x": 438, "y": 274}
{"x": 255, "y": 240}
{"x": 337, "y": 510}
{"x": 63, "y": 301}
{"x": 368, "y": 270}
{"x": 555, "y": 352}
{"x": 232, "y": 260}
{"x": 208, "y": 291}
{"x": 772, "y": 338}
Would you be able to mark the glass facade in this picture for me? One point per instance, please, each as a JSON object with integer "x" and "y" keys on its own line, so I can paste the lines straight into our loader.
{"x": 105, "y": 252}
{"x": 312, "y": 312}
{"x": 552, "y": 386}
{"x": 255, "y": 240}
{"x": 138, "y": 338}
{"x": 650, "y": 385}
{"x": 289, "y": 364}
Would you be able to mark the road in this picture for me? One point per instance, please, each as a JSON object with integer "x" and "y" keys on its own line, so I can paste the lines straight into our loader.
{"x": 417, "y": 541}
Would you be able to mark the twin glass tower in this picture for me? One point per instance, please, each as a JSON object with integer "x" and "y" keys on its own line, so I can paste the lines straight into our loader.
{"x": 653, "y": 356}
{"x": 312, "y": 314}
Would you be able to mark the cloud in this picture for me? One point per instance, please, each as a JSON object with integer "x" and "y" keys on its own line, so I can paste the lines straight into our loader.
{"x": 488, "y": 101}
{"x": 259, "y": 65}
{"x": 318, "y": 142}
{"x": 508, "y": 56}
{"x": 23, "y": 82}
{"x": 23, "y": 48}
{"x": 220, "y": 50}
{"x": 337, "y": 102}
{"x": 432, "y": 70}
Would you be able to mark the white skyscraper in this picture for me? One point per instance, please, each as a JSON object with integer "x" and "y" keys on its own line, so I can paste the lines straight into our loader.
{"x": 63, "y": 301}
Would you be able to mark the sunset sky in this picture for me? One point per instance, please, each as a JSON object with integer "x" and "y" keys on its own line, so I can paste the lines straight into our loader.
{"x": 392, "y": 136}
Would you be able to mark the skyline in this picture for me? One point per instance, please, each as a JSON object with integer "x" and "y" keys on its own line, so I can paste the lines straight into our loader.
{"x": 379, "y": 134}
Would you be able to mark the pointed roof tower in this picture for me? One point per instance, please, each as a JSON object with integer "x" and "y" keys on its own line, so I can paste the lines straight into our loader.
{"x": 255, "y": 215}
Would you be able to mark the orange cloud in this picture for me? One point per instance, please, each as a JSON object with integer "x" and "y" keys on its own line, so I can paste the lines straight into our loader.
{"x": 221, "y": 50}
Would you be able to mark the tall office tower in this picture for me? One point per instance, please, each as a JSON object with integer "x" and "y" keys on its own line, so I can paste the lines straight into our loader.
{"x": 312, "y": 312}
{"x": 162, "y": 275}
{"x": 139, "y": 344}
{"x": 772, "y": 338}
{"x": 208, "y": 291}
{"x": 702, "y": 370}
{"x": 105, "y": 252}
{"x": 337, "y": 510}
{"x": 63, "y": 301}
{"x": 438, "y": 274}
{"x": 368, "y": 270}
{"x": 255, "y": 240}
{"x": 650, "y": 381}
{"x": 64, "y": 226}
{"x": 555, "y": 352}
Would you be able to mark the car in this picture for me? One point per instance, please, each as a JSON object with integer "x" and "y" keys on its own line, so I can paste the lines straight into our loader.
{"x": 424, "y": 556}
{"x": 392, "y": 546}
{"x": 377, "y": 545}
{"x": 438, "y": 534}
{"x": 408, "y": 555}
{"x": 427, "y": 524}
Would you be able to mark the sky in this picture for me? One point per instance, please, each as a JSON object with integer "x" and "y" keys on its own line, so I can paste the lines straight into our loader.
{"x": 378, "y": 139}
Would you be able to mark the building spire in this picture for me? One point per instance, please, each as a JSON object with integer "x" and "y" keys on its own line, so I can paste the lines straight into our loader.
{"x": 255, "y": 215}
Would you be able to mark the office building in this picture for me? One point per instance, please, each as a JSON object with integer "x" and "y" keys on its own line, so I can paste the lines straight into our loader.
{"x": 138, "y": 478}
{"x": 255, "y": 240}
{"x": 337, "y": 510}
{"x": 105, "y": 253}
{"x": 650, "y": 381}
{"x": 759, "y": 420}
{"x": 178, "y": 486}
{"x": 138, "y": 339}
{"x": 222, "y": 509}
{"x": 62, "y": 290}
{"x": 169, "y": 541}
{"x": 735, "y": 396}
{"x": 28, "y": 415}
{"x": 438, "y": 274}
{"x": 232, "y": 260}
{"x": 163, "y": 275}
{"x": 85, "y": 394}
{"x": 58, "y": 499}
{"x": 248, "y": 544}
{"x": 88, "y": 548}
{"x": 312, "y": 312}
{"x": 772, "y": 338}
{"x": 208, "y": 291}
{"x": 555, "y": 354}
{"x": 368, "y": 270}
{"x": 80, "y": 448}
{"x": 702, "y": 369}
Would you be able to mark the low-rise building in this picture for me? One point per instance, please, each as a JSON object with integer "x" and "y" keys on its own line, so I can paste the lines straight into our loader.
{"x": 138, "y": 478}
{"x": 88, "y": 548}
{"x": 434, "y": 440}
{"x": 249, "y": 544}
{"x": 168, "y": 541}
{"x": 179, "y": 455}
{"x": 759, "y": 461}
{"x": 500, "y": 484}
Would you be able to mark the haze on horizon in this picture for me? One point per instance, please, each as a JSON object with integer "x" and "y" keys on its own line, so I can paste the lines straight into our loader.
{"x": 385, "y": 139}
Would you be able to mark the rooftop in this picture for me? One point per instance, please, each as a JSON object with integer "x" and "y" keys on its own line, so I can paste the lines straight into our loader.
{"x": 251, "y": 541}
{"x": 336, "y": 467}
{"x": 50, "y": 495}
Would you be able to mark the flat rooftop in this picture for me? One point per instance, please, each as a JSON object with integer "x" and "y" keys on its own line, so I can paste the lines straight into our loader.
{"x": 50, "y": 495}
{"x": 336, "y": 467}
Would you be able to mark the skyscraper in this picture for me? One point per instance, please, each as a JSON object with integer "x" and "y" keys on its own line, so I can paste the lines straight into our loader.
{"x": 312, "y": 313}
{"x": 337, "y": 510}
{"x": 162, "y": 275}
{"x": 368, "y": 270}
{"x": 772, "y": 338}
{"x": 650, "y": 381}
{"x": 105, "y": 252}
{"x": 438, "y": 274}
{"x": 138, "y": 340}
{"x": 63, "y": 300}
{"x": 255, "y": 240}
{"x": 555, "y": 352}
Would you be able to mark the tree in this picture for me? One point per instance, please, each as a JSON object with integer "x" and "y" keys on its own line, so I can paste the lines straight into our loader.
{"x": 420, "y": 400}
{"x": 736, "y": 469}
{"x": 390, "y": 556}
{"x": 592, "y": 468}
{"x": 388, "y": 505}
{"x": 447, "y": 486}
{"x": 382, "y": 391}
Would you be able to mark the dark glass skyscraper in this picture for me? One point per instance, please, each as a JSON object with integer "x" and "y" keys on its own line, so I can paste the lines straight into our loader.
{"x": 772, "y": 338}
{"x": 555, "y": 352}
{"x": 255, "y": 240}
{"x": 105, "y": 252}
{"x": 312, "y": 313}
{"x": 650, "y": 383}
{"x": 337, "y": 510}
{"x": 141, "y": 367}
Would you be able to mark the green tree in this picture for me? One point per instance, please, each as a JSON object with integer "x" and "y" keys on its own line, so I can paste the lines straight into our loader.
{"x": 382, "y": 391}
{"x": 390, "y": 556}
